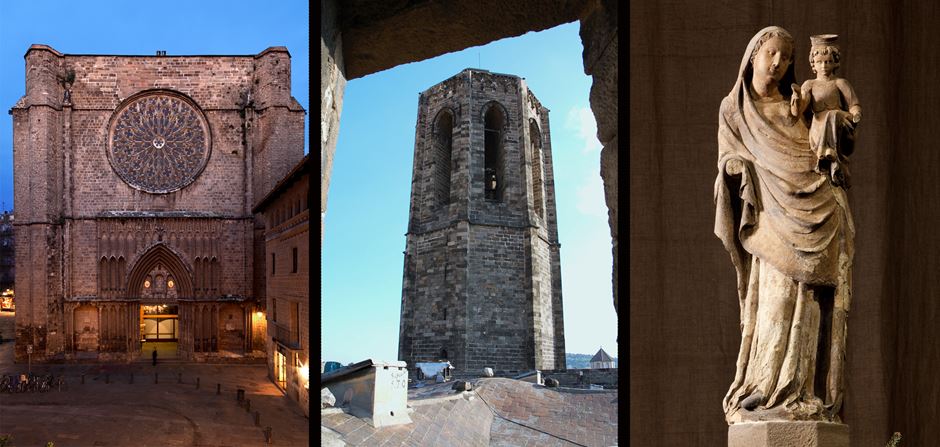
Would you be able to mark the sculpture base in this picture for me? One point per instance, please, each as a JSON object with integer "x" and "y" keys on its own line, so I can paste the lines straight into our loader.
{"x": 788, "y": 434}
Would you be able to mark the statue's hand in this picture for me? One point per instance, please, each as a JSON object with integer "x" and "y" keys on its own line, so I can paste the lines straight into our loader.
{"x": 795, "y": 99}
{"x": 848, "y": 120}
{"x": 734, "y": 167}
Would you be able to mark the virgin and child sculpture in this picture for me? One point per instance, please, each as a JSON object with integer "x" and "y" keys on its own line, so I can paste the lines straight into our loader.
{"x": 783, "y": 216}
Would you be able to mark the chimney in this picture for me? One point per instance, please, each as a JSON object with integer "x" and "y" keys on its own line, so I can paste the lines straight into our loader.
{"x": 374, "y": 390}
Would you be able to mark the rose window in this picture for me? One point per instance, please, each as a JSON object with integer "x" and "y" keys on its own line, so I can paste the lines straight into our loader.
{"x": 159, "y": 142}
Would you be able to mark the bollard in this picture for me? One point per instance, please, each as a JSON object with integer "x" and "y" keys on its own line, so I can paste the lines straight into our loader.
{"x": 240, "y": 395}
{"x": 248, "y": 405}
{"x": 154, "y": 377}
{"x": 179, "y": 377}
{"x": 268, "y": 437}
{"x": 257, "y": 418}
{"x": 218, "y": 388}
{"x": 197, "y": 383}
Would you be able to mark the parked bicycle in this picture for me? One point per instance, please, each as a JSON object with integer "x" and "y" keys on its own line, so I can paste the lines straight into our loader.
{"x": 30, "y": 383}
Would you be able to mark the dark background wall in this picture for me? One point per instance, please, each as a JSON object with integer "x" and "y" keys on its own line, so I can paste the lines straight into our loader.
{"x": 684, "y": 322}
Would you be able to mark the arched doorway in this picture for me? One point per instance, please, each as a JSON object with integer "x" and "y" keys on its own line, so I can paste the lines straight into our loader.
{"x": 159, "y": 280}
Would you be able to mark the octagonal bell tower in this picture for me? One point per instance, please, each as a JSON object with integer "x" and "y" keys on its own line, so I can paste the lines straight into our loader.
{"x": 482, "y": 275}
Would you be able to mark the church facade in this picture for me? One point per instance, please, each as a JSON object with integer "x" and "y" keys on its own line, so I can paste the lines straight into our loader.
{"x": 482, "y": 273}
{"x": 134, "y": 183}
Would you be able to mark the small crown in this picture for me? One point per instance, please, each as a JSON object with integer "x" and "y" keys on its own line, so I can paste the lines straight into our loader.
{"x": 823, "y": 39}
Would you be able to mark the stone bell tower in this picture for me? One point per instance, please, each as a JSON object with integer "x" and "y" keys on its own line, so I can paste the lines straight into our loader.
{"x": 482, "y": 275}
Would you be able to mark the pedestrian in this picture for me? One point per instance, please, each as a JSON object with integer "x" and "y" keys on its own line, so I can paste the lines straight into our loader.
{"x": 154, "y": 355}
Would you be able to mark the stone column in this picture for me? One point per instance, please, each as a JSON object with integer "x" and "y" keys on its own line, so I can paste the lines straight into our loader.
{"x": 69, "y": 327}
{"x": 599, "y": 33}
{"x": 197, "y": 327}
{"x": 215, "y": 326}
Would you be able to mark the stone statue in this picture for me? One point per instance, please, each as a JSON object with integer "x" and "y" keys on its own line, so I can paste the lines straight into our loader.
{"x": 790, "y": 235}
{"x": 832, "y": 134}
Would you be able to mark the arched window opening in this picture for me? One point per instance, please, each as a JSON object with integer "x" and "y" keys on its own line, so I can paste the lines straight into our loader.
{"x": 494, "y": 179}
{"x": 122, "y": 268}
{"x": 535, "y": 139}
{"x": 442, "y": 158}
{"x": 214, "y": 275}
{"x": 113, "y": 274}
{"x": 197, "y": 269}
{"x": 103, "y": 274}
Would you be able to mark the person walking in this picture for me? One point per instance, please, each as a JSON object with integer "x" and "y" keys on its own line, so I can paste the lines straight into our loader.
{"x": 154, "y": 355}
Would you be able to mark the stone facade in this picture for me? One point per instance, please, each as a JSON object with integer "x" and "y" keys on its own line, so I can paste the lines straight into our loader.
{"x": 482, "y": 276}
{"x": 286, "y": 216}
{"x": 7, "y": 258}
{"x": 134, "y": 183}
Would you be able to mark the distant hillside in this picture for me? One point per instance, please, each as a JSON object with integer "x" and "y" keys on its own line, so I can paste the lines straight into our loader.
{"x": 581, "y": 361}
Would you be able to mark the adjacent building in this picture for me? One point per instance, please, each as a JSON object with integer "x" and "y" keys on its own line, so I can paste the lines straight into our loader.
{"x": 602, "y": 360}
{"x": 482, "y": 273}
{"x": 134, "y": 183}
{"x": 286, "y": 218}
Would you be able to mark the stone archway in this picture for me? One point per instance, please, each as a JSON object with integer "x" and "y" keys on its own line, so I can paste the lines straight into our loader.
{"x": 160, "y": 260}
{"x": 158, "y": 281}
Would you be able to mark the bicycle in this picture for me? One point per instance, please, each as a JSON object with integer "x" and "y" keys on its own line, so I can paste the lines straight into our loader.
{"x": 6, "y": 384}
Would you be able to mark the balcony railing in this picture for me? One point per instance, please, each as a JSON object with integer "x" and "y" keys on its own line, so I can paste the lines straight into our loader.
{"x": 287, "y": 337}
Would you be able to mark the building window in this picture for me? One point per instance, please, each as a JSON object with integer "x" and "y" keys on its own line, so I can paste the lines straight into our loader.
{"x": 535, "y": 138}
{"x": 274, "y": 310}
{"x": 280, "y": 369}
{"x": 493, "y": 173}
{"x": 293, "y": 255}
{"x": 273, "y": 263}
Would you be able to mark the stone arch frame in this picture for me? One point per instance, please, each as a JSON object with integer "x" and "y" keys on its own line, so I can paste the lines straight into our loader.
{"x": 168, "y": 92}
{"x": 499, "y": 161}
{"x": 538, "y": 162}
{"x": 161, "y": 253}
{"x": 443, "y": 178}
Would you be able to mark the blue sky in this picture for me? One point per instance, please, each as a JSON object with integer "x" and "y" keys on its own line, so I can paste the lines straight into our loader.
{"x": 369, "y": 194}
{"x": 117, "y": 27}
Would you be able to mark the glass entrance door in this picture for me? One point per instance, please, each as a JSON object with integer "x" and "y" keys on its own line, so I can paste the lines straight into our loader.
{"x": 160, "y": 322}
{"x": 280, "y": 370}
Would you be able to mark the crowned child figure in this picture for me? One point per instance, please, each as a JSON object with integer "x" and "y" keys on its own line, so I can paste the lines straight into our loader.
{"x": 835, "y": 110}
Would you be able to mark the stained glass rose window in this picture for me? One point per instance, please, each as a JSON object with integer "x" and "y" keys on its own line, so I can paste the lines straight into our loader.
{"x": 159, "y": 142}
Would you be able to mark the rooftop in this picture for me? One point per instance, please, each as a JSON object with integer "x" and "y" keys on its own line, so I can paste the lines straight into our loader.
{"x": 496, "y": 412}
